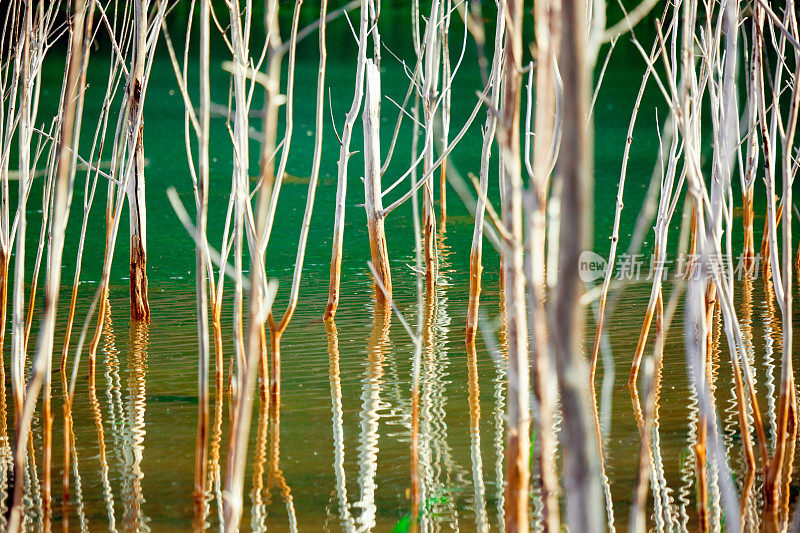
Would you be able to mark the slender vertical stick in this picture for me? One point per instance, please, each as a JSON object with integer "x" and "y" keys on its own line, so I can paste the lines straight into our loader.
{"x": 372, "y": 181}
{"x": 476, "y": 252}
{"x": 277, "y": 330}
{"x": 547, "y": 30}
{"x": 140, "y": 307}
{"x": 430, "y": 84}
{"x": 581, "y": 462}
{"x": 70, "y": 135}
{"x": 344, "y": 157}
{"x": 201, "y": 448}
{"x": 518, "y": 441}
{"x": 446, "y": 97}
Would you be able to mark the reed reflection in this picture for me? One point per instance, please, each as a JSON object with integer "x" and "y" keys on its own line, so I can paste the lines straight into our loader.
{"x": 214, "y": 485}
{"x": 377, "y": 347}
{"x": 747, "y": 501}
{"x": 651, "y": 464}
{"x": 428, "y": 480}
{"x": 258, "y": 511}
{"x": 133, "y": 517}
{"x": 114, "y": 399}
{"x": 479, "y": 489}
{"x": 346, "y": 520}
{"x": 108, "y": 495}
{"x": 275, "y": 477}
{"x": 5, "y": 443}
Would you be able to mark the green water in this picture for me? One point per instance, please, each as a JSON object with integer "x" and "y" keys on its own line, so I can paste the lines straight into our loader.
{"x": 338, "y": 458}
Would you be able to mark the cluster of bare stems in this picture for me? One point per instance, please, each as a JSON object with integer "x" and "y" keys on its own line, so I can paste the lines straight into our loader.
{"x": 703, "y": 58}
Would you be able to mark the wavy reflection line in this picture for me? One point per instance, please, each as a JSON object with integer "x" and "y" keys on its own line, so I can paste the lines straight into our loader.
{"x": 275, "y": 477}
{"x": 79, "y": 505}
{"x": 788, "y": 464}
{"x": 501, "y": 379}
{"x": 108, "y": 494}
{"x": 771, "y": 337}
{"x": 663, "y": 512}
{"x": 345, "y": 518}
{"x": 116, "y": 413}
{"x": 5, "y": 450}
{"x": 65, "y": 479}
{"x": 377, "y": 347}
{"x": 687, "y": 470}
{"x": 479, "y": 489}
{"x": 133, "y": 516}
{"x": 258, "y": 510}
{"x": 747, "y": 502}
{"x": 214, "y": 486}
{"x": 33, "y": 498}
{"x": 714, "y": 351}
{"x": 428, "y": 479}
{"x": 449, "y": 475}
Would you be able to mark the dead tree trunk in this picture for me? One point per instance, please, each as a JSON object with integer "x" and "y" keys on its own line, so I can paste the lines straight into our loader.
{"x": 140, "y": 308}
{"x": 372, "y": 180}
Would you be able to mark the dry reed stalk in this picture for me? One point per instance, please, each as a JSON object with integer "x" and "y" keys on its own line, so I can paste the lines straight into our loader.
{"x": 123, "y": 162}
{"x": 114, "y": 78}
{"x": 685, "y": 106}
{"x": 241, "y": 400}
{"x": 262, "y": 293}
{"x": 47, "y": 200}
{"x": 754, "y": 62}
{"x": 344, "y": 157}
{"x": 617, "y": 218}
{"x": 430, "y": 84}
{"x": 581, "y": 463}
{"x": 518, "y": 439}
{"x": 476, "y": 251}
{"x": 277, "y": 330}
{"x": 22, "y": 65}
{"x": 782, "y": 283}
{"x": 71, "y": 111}
{"x": 546, "y": 136}
{"x": 240, "y": 187}
{"x": 89, "y": 193}
{"x": 9, "y": 76}
{"x": 272, "y": 97}
{"x": 202, "y": 267}
{"x": 204, "y": 279}
{"x": 446, "y": 98}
